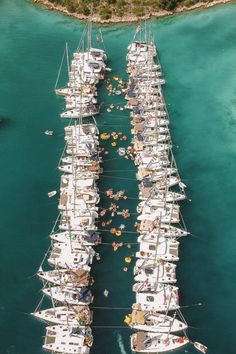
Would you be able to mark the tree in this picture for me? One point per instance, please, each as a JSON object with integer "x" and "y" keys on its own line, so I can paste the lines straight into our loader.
{"x": 105, "y": 13}
{"x": 168, "y": 5}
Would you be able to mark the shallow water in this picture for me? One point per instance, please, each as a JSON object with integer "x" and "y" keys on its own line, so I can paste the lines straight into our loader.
{"x": 197, "y": 52}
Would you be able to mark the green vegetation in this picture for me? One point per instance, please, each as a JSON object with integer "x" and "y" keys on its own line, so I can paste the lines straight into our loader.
{"x": 108, "y": 8}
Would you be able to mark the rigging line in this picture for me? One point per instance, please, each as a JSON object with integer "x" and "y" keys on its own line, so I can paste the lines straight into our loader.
{"x": 81, "y": 39}
{"x": 114, "y": 211}
{"x": 186, "y": 306}
{"x": 59, "y": 72}
{"x": 62, "y": 154}
{"x": 53, "y": 229}
{"x": 117, "y": 115}
{"x": 128, "y": 179}
{"x": 114, "y": 158}
{"x": 127, "y": 232}
{"x": 39, "y": 304}
{"x": 195, "y": 236}
{"x": 113, "y": 125}
{"x": 110, "y": 308}
{"x": 127, "y": 197}
{"x": 124, "y": 243}
{"x": 45, "y": 256}
{"x": 118, "y": 213}
{"x": 117, "y": 103}
{"x": 182, "y": 219}
{"x": 111, "y": 327}
{"x": 120, "y": 171}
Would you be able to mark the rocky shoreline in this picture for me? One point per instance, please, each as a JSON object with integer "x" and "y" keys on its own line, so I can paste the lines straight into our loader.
{"x": 129, "y": 18}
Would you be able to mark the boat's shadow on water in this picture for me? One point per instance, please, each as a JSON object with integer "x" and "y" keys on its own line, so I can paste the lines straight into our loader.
{"x": 5, "y": 122}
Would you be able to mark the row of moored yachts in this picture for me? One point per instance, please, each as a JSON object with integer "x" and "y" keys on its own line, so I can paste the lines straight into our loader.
{"x": 156, "y": 315}
{"x": 71, "y": 253}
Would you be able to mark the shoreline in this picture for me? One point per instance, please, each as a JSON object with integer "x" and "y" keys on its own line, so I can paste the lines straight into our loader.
{"x": 129, "y": 18}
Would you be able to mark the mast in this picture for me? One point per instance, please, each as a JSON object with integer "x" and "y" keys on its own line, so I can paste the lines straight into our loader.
{"x": 89, "y": 38}
{"x": 67, "y": 59}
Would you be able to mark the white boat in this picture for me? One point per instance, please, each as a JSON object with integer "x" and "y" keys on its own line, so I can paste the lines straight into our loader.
{"x": 146, "y": 287}
{"x": 78, "y": 113}
{"x": 83, "y": 221}
{"x": 164, "y": 248}
{"x": 155, "y": 171}
{"x": 81, "y": 130}
{"x": 71, "y": 315}
{"x": 153, "y": 321}
{"x": 78, "y": 296}
{"x": 92, "y": 168}
{"x": 161, "y": 272}
{"x": 82, "y": 140}
{"x": 167, "y": 214}
{"x": 150, "y": 120}
{"x": 165, "y": 230}
{"x": 149, "y": 342}
{"x": 202, "y": 348}
{"x": 162, "y": 184}
{"x": 67, "y": 339}
{"x": 68, "y": 181}
{"x": 77, "y": 160}
{"x": 63, "y": 256}
{"x": 168, "y": 196}
{"x": 51, "y": 194}
{"x": 162, "y": 301}
{"x": 153, "y": 204}
{"x": 86, "y": 238}
{"x": 49, "y": 132}
{"x": 71, "y": 200}
{"x": 67, "y": 277}
{"x": 153, "y": 237}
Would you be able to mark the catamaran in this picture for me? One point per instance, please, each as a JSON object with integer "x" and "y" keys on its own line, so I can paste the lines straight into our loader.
{"x": 146, "y": 287}
{"x": 161, "y": 301}
{"x": 63, "y": 256}
{"x": 154, "y": 272}
{"x": 68, "y": 339}
{"x": 165, "y": 249}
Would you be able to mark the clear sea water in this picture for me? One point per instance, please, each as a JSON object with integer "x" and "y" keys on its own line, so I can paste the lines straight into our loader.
{"x": 198, "y": 57}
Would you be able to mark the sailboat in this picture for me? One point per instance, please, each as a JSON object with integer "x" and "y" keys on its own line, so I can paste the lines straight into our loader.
{"x": 149, "y": 342}
{"x": 154, "y": 321}
{"x": 72, "y": 296}
{"x": 67, "y": 277}
{"x": 66, "y": 315}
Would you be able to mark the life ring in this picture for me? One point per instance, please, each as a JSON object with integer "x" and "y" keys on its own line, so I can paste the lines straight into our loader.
{"x": 105, "y": 136}
{"x": 128, "y": 259}
{"x": 121, "y": 151}
{"x": 118, "y": 233}
{"x": 127, "y": 319}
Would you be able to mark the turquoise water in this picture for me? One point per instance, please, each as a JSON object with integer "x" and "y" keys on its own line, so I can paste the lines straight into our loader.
{"x": 197, "y": 53}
